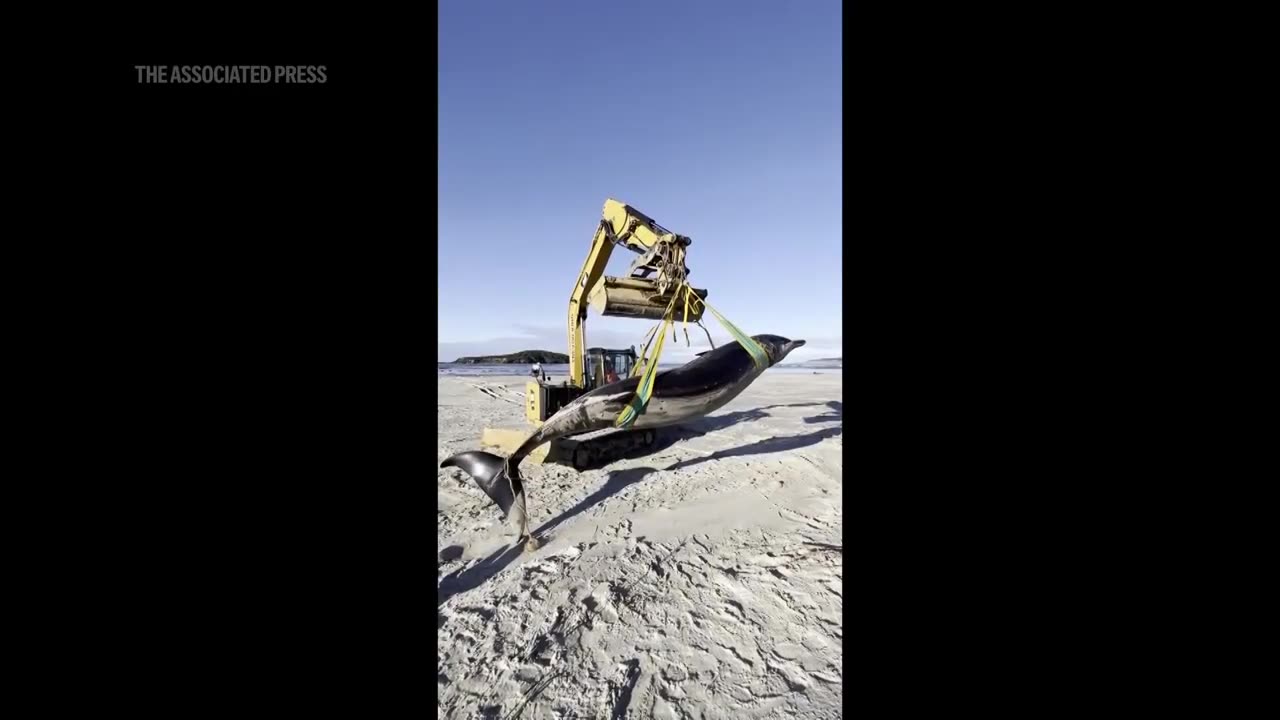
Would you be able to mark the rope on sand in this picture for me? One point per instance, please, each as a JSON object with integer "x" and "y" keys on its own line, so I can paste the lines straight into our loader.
{"x": 491, "y": 392}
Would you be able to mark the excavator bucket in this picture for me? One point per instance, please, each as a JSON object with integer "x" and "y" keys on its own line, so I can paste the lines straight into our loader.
{"x": 506, "y": 440}
{"x": 639, "y": 298}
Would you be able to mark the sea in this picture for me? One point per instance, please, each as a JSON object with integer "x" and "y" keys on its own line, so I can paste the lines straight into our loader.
{"x": 561, "y": 372}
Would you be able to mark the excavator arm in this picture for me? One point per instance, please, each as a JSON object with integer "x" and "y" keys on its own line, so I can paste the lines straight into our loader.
{"x": 652, "y": 281}
{"x": 638, "y": 295}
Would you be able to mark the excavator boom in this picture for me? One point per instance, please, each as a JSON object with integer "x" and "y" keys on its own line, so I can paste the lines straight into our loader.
{"x": 645, "y": 292}
{"x": 639, "y": 296}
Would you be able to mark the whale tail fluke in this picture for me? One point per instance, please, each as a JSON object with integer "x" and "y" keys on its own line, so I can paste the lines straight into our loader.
{"x": 499, "y": 480}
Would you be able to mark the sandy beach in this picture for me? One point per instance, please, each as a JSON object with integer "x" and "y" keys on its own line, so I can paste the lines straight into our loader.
{"x": 703, "y": 580}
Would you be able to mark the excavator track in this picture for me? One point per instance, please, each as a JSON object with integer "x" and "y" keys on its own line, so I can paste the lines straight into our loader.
{"x": 586, "y": 452}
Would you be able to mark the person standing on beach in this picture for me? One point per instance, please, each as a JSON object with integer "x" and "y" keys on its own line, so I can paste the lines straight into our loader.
{"x": 536, "y": 371}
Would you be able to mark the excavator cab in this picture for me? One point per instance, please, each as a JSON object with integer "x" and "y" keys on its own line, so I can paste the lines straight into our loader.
{"x": 608, "y": 366}
{"x": 601, "y": 367}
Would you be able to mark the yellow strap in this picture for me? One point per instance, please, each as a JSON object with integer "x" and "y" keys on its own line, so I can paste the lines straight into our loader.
{"x": 644, "y": 391}
{"x": 644, "y": 349}
{"x": 685, "y": 323}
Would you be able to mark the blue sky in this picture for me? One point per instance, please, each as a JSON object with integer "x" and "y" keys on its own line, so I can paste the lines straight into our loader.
{"x": 719, "y": 119}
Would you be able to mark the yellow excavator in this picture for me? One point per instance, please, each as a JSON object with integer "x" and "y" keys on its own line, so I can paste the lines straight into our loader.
{"x": 645, "y": 293}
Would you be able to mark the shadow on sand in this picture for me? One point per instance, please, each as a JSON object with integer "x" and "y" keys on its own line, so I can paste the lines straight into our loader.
{"x": 621, "y": 479}
{"x": 669, "y": 436}
{"x": 768, "y": 445}
{"x": 618, "y": 480}
{"x": 836, "y": 414}
{"x": 471, "y": 577}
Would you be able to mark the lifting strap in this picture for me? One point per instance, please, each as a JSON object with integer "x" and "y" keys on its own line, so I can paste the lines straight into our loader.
{"x": 751, "y": 346}
{"x": 644, "y": 391}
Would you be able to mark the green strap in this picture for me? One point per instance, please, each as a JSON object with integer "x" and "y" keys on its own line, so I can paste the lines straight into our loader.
{"x": 751, "y": 346}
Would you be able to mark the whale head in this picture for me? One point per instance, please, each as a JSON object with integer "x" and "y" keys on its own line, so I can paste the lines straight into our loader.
{"x": 776, "y": 346}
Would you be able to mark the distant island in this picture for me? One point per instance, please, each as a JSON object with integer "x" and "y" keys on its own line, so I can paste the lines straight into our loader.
{"x": 524, "y": 357}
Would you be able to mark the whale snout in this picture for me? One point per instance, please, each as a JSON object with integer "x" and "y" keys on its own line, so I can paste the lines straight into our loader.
{"x": 783, "y": 347}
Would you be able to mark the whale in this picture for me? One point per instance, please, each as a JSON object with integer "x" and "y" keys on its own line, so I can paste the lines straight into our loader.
{"x": 693, "y": 390}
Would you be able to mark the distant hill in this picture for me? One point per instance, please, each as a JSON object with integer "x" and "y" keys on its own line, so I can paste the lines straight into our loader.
{"x": 525, "y": 357}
